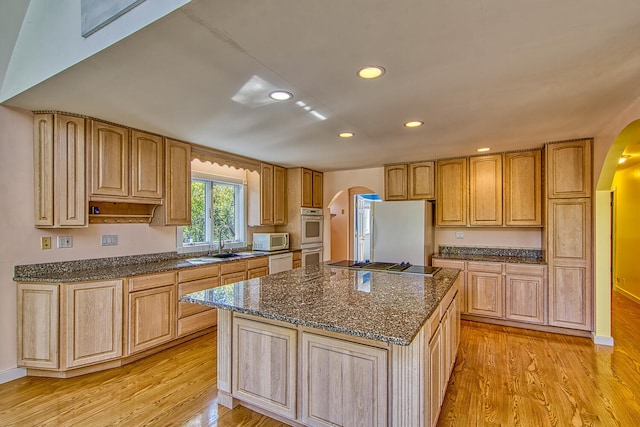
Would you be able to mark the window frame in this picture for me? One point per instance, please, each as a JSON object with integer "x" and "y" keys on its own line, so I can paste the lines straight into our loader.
{"x": 241, "y": 215}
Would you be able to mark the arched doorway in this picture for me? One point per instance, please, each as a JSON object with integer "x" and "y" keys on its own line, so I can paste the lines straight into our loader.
{"x": 341, "y": 210}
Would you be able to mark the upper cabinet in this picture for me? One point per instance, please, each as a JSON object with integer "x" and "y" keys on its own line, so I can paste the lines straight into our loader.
{"x": 395, "y": 182}
{"x": 485, "y": 190}
{"x": 569, "y": 169}
{"x": 123, "y": 168}
{"x": 523, "y": 188}
{"x": 451, "y": 208}
{"x": 59, "y": 171}
{"x": 311, "y": 190}
{"x": 273, "y": 195}
{"x": 422, "y": 183}
{"x": 176, "y": 209}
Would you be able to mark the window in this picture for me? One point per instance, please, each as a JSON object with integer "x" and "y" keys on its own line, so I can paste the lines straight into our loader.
{"x": 217, "y": 211}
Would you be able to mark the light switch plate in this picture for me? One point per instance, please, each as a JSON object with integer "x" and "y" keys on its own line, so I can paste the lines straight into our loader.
{"x": 109, "y": 240}
{"x": 45, "y": 243}
{"x": 459, "y": 234}
{"x": 65, "y": 241}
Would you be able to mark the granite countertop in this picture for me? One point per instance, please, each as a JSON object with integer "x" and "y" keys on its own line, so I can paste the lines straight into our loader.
{"x": 491, "y": 254}
{"x": 492, "y": 258}
{"x": 376, "y": 305}
{"x": 118, "y": 267}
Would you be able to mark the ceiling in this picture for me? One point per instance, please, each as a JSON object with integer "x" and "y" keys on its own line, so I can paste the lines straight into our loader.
{"x": 507, "y": 74}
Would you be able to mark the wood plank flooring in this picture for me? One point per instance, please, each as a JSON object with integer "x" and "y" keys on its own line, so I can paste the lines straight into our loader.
{"x": 502, "y": 377}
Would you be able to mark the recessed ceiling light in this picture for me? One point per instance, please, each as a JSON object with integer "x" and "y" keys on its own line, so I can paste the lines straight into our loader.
{"x": 370, "y": 72}
{"x": 280, "y": 95}
{"x": 346, "y": 134}
{"x": 413, "y": 124}
{"x": 483, "y": 150}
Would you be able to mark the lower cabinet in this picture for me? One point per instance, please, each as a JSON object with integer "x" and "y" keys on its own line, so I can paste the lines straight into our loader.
{"x": 524, "y": 293}
{"x": 192, "y": 317}
{"x": 345, "y": 383}
{"x": 264, "y": 365}
{"x": 436, "y": 393}
{"x": 485, "y": 295}
{"x": 57, "y": 324}
{"x": 297, "y": 259}
{"x": 232, "y": 272}
{"x": 257, "y": 267}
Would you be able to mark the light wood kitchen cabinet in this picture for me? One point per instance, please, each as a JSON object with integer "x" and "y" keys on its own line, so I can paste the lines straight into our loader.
{"x": 176, "y": 209}
{"x": 485, "y": 289}
{"x": 460, "y": 265}
{"x": 395, "y": 182}
{"x": 193, "y": 317}
{"x": 311, "y": 188}
{"x": 451, "y": 208}
{"x": 151, "y": 315}
{"x": 569, "y": 251}
{"x": 422, "y": 182}
{"x": 38, "y": 325}
{"x": 89, "y": 307}
{"x": 147, "y": 165}
{"x": 435, "y": 376}
{"x": 568, "y": 166}
{"x": 273, "y": 195}
{"x": 346, "y": 383}
{"x": 257, "y": 267}
{"x": 265, "y": 365}
{"x": 297, "y": 259}
{"x": 485, "y": 190}
{"x": 60, "y": 197}
{"x": 523, "y": 189}
{"x": 110, "y": 150}
{"x": 317, "y": 189}
{"x": 232, "y": 272}
{"x": 524, "y": 293}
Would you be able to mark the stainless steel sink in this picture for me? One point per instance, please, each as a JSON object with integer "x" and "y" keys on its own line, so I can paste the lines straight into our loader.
{"x": 198, "y": 261}
{"x": 227, "y": 255}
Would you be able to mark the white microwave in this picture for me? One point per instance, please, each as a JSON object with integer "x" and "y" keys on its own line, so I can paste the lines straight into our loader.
{"x": 270, "y": 241}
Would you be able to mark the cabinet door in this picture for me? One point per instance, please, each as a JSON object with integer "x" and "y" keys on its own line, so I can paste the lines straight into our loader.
{"x": 152, "y": 318}
{"x": 264, "y": 366}
{"x": 484, "y": 294}
{"x": 570, "y": 296}
{"x": 266, "y": 194}
{"x": 485, "y": 190}
{"x": 43, "y": 156}
{"x": 435, "y": 377}
{"x": 307, "y": 188}
{"x": 395, "y": 182}
{"x": 317, "y": 189}
{"x": 177, "y": 200}
{"x": 344, "y": 384}
{"x": 523, "y": 189}
{"x": 257, "y": 272}
{"x": 569, "y": 228}
{"x": 422, "y": 183}
{"x": 38, "y": 325}
{"x": 451, "y": 209}
{"x": 146, "y": 165}
{"x": 89, "y": 308}
{"x": 568, "y": 169}
{"x": 524, "y": 299}
{"x": 109, "y": 160}
{"x": 460, "y": 265}
{"x": 227, "y": 279}
{"x": 279, "y": 195}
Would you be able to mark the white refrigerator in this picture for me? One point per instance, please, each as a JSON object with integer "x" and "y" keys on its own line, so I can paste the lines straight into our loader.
{"x": 403, "y": 232}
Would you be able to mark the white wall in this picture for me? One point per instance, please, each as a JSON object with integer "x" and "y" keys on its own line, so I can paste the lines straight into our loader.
{"x": 50, "y": 42}
{"x": 20, "y": 241}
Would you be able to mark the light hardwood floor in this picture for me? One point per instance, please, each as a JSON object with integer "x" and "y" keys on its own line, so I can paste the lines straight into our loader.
{"x": 502, "y": 377}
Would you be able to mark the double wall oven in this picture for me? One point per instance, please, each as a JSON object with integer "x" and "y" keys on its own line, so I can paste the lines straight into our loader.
{"x": 311, "y": 222}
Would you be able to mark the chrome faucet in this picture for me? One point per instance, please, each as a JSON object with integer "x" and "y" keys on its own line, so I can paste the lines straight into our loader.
{"x": 220, "y": 230}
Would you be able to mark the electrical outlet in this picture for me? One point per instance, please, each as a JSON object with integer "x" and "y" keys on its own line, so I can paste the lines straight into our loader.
{"x": 459, "y": 234}
{"x": 65, "y": 241}
{"x": 109, "y": 240}
{"x": 45, "y": 243}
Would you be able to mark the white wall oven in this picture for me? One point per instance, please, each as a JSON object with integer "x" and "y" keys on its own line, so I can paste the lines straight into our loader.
{"x": 311, "y": 223}
{"x": 311, "y": 255}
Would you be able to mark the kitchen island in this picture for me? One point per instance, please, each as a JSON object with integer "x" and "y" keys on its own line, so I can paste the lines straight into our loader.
{"x": 331, "y": 346}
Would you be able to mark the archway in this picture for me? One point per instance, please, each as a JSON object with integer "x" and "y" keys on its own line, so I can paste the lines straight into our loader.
{"x": 602, "y": 233}
{"x": 341, "y": 221}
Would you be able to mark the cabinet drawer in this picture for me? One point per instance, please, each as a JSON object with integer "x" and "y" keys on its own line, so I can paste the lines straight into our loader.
{"x": 527, "y": 270}
{"x": 484, "y": 267}
{"x": 151, "y": 281}
{"x": 186, "y": 309}
{"x": 448, "y": 263}
{"x": 233, "y": 267}
{"x": 257, "y": 262}
{"x": 198, "y": 273}
{"x": 197, "y": 285}
{"x": 197, "y": 322}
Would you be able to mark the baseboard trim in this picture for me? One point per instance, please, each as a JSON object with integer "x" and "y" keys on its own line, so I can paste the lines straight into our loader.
{"x": 12, "y": 374}
{"x": 602, "y": 340}
{"x": 627, "y": 294}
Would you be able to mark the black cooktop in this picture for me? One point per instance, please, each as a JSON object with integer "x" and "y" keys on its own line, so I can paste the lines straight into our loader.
{"x": 402, "y": 267}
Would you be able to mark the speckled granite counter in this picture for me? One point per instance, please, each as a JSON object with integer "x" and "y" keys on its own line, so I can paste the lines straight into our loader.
{"x": 371, "y": 304}
{"x": 491, "y": 254}
{"x": 117, "y": 267}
